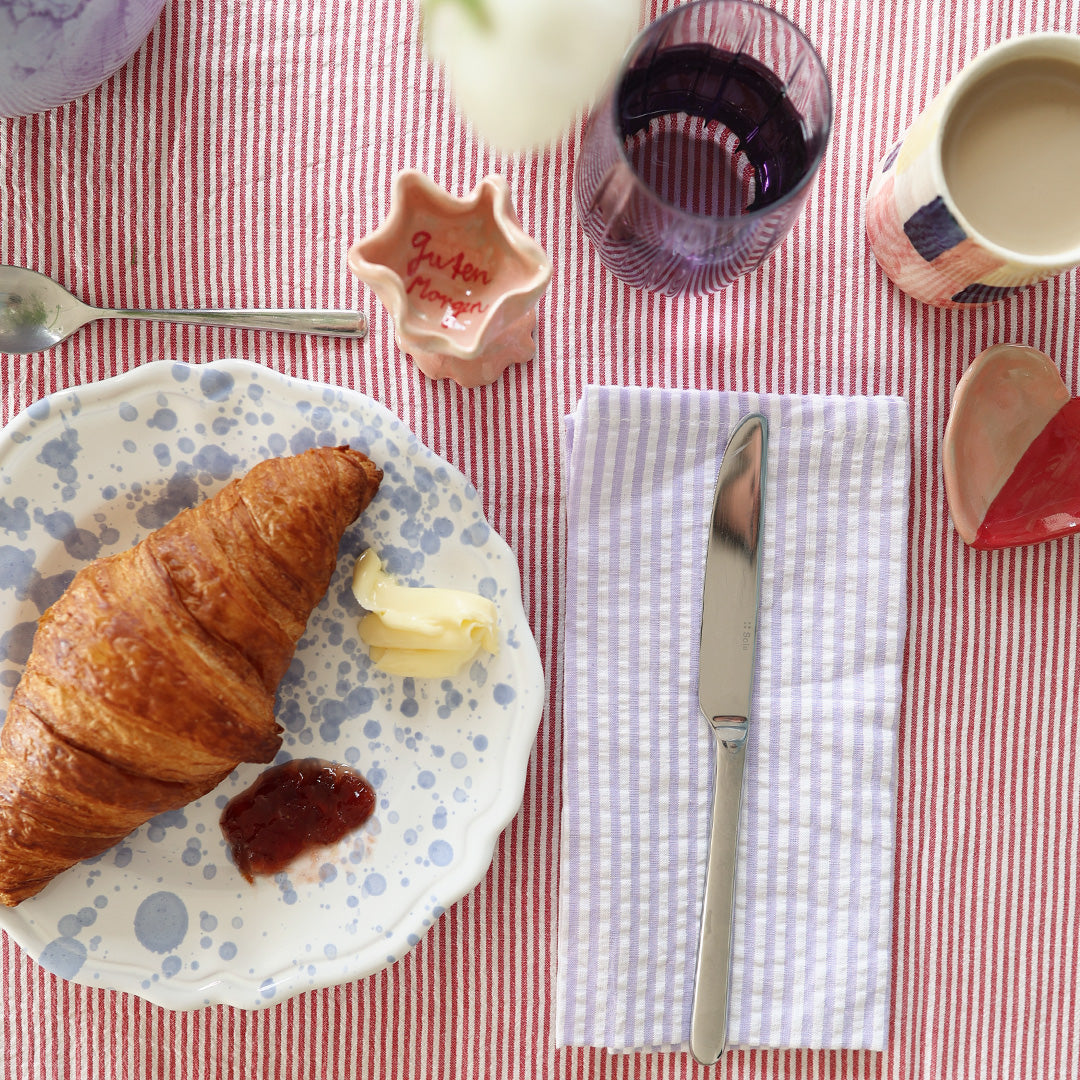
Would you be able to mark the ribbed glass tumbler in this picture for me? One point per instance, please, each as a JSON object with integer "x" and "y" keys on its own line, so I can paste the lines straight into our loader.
{"x": 696, "y": 165}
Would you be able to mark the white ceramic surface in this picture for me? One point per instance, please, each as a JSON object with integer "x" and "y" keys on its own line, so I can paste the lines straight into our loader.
{"x": 165, "y": 915}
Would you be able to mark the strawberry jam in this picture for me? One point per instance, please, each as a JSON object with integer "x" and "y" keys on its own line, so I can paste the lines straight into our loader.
{"x": 293, "y": 807}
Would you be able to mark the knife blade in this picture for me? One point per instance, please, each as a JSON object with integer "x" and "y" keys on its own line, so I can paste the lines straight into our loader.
{"x": 725, "y": 680}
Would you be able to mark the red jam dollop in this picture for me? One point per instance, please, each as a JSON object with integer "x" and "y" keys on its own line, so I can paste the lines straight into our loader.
{"x": 293, "y": 807}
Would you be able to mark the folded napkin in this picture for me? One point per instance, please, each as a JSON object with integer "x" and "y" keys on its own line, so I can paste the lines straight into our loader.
{"x": 812, "y": 933}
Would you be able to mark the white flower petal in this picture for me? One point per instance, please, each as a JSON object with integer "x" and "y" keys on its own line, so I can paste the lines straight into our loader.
{"x": 523, "y": 77}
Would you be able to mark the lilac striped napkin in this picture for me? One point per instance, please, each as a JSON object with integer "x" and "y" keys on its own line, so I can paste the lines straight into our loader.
{"x": 811, "y": 949}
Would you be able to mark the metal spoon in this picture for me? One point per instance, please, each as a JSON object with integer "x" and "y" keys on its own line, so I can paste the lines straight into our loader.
{"x": 36, "y": 313}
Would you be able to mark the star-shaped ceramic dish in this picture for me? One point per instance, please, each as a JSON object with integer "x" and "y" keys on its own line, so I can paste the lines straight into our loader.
{"x": 460, "y": 278}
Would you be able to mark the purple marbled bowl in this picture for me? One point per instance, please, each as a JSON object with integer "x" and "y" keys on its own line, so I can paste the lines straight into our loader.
{"x": 53, "y": 51}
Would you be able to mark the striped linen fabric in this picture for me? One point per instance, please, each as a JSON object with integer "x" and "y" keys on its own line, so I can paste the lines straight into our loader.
{"x": 231, "y": 162}
{"x": 814, "y": 885}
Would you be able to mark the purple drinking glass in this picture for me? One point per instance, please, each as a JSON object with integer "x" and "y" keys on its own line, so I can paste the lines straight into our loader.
{"x": 695, "y": 166}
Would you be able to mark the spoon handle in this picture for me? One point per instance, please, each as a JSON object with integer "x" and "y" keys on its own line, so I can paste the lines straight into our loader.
{"x": 347, "y": 324}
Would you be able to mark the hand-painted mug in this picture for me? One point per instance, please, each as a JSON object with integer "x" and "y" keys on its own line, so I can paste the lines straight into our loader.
{"x": 978, "y": 200}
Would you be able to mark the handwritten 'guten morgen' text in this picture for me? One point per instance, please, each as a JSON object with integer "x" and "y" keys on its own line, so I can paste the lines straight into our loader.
{"x": 456, "y": 265}
{"x": 453, "y": 266}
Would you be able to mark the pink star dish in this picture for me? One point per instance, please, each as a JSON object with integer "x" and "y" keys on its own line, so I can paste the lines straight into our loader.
{"x": 459, "y": 277}
{"x": 1011, "y": 451}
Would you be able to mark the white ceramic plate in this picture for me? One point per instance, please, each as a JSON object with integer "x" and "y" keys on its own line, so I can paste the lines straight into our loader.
{"x": 165, "y": 915}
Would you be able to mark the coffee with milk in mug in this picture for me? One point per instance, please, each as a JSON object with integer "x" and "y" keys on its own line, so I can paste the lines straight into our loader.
{"x": 1027, "y": 200}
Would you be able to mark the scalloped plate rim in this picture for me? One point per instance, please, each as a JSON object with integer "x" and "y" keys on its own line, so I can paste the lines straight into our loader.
{"x": 225, "y": 986}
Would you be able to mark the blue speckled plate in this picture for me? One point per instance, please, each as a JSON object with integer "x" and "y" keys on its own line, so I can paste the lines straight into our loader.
{"x": 165, "y": 915}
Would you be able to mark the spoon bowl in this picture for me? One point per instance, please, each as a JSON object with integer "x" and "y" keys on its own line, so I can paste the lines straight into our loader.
{"x": 37, "y": 313}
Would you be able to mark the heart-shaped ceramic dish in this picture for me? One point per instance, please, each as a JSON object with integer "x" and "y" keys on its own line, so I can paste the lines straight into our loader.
{"x": 1011, "y": 451}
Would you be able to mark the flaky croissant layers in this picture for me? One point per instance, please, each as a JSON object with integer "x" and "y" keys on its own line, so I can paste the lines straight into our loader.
{"x": 155, "y": 673}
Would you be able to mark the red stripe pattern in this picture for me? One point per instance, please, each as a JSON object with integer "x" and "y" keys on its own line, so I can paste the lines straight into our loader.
{"x": 232, "y": 162}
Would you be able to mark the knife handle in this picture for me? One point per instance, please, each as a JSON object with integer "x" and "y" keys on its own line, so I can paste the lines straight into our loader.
{"x": 712, "y": 978}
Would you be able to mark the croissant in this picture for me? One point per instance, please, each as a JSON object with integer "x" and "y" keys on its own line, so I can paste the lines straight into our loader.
{"x": 155, "y": 673}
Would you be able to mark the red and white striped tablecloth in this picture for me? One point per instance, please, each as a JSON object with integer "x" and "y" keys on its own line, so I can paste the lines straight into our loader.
{"x": 231, "y": 163}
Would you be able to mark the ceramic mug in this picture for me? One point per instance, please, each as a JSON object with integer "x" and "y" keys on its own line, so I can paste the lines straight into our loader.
{"x": 978, "y": 199}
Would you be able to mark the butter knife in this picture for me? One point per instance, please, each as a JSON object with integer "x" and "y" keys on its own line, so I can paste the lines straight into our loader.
{"x": 726, "y": 675}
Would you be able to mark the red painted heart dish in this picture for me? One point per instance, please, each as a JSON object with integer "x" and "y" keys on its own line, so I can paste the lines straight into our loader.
{"x": 1011, "y": 451}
